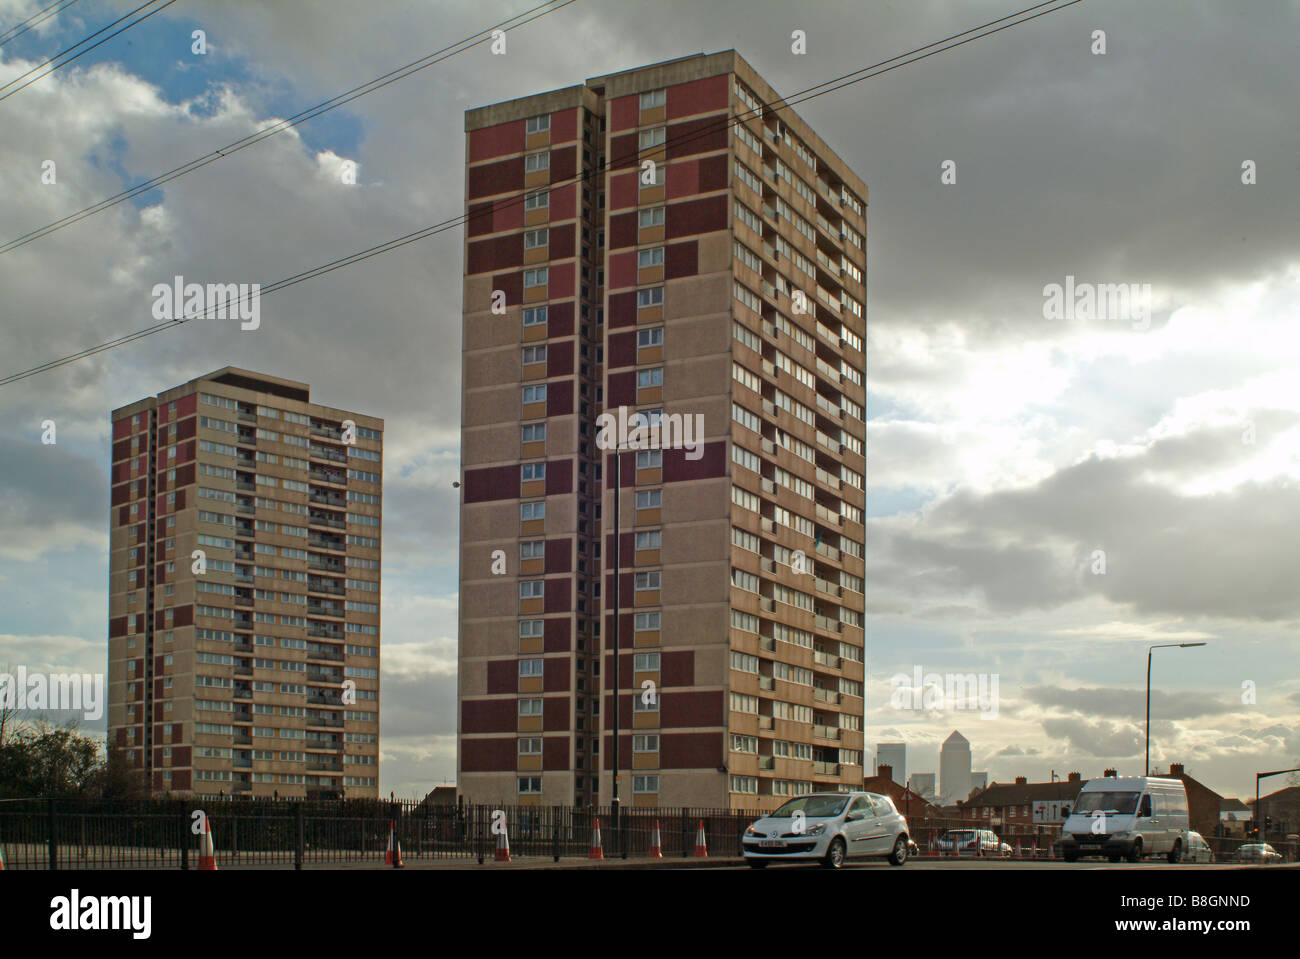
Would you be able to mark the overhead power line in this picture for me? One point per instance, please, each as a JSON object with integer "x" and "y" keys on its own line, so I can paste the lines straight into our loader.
{"x": 35, "y": 20}
{"x": 401, "y": 73}
{"x": 228, "y": 307}
{"x": 6, "y": 92}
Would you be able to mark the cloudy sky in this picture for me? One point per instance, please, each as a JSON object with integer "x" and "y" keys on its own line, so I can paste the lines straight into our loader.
{"x": 1048, "y": 496}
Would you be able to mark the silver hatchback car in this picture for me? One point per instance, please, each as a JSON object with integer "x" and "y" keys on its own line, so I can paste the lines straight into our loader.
{"x": 829, "y": 828}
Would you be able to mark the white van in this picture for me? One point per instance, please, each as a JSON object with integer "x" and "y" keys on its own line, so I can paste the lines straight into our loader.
{"x": 1132, "y": 817}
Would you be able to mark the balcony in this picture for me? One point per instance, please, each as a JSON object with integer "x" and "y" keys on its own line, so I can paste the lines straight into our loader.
{"x": 828, "y": 551}
{"x": 829, "y": 588}
{"x": 766, "y": 682}
{"x": 766, "y": 762}
{"x": 826, "y": 623}
{"x": 321, "y": 542}
{"x": 827, "y": 659}
{"x": 326, "y": 453}
{"x": 826, "y": 479}
{"x": 825, "y": 769}
{"x": 326, "y": 476}
{"x": 322, "y": 500}
{"x": 766, "y": 722}
{"x": 324, "y": 519}
{"x": 319, "y": 632}
{"x": 825, "y": 732}
{"x": 826, "y": 696}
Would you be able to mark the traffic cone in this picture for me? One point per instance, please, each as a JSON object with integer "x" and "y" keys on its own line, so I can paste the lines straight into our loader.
{"x": 1051, "y": 849}
{"x": 394, "y": 847}
{"x": 656, "y": 848}
{"x": 597, "y": 851}
{"x": 207, "y": 855}
{"x": 701, "y": 845}
{"x": 503, "y": 845}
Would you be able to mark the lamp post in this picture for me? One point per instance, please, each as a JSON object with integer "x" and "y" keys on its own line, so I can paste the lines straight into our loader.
{"x": 1147, "y": 764}
{"x": 618, "y": 482}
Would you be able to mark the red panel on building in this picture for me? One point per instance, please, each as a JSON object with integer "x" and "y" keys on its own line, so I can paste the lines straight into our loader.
{"x": 488, "y": 755}
{"x": 621, "y": 350}
{"x": 559, "y": 477}
{"x": 495, "y": 141}
{"x": 559, "y": 595}
{"x": 623, "y": 153}
{"x": 690, "y": 750}
{"x": 564, "y": 164}
{"x": 559, "y": 357}
{"x": 622, "y": 231}
{"x": 502, "y": 676}
{"x": 491, "y": 483}
{"x": 490, "y": 179}
{"x": 622, "y": 192}
{"x": 713, "y": 173}
{"x": 117, "y": 626}
{"x": 121, "y": 450}
{"x": 497, "y": 253}
{"x": 699, "y": 96}
{"x": 621, "y": 391}
{"x": 512, "y": 284}
{"x": 564, "y": 125}
{"x": 701, "y": 135}
{"x": 181, "y": 756}
{"x": 121, "y": 494}
{"x": 478, "y": 221}
{"x": 620, "y": 270}
{"x": 561, "y": 241}
{"x": 181, "y": 779}
{"x": 185, "y": 474}
{"x": 683, "y": 179}
{"x": 712, "y": 464}
{"x": 559, "y": 556}
{"x": 677, "y": 668}
{"x": 507, "y": 214}
{"x": 557, "y": 635}
{"x": 624, "y": 112}
{"x": 555, "y": 713}
{"x": 187, "y": 428}
{"x": 559, "y": 399}
{"x": 564, "y": 202}
{"x": 559, "y": 320}
{"x": 555, "y": 753}
{"x": 555, "y": 675}
{"x": 690, "y": 217}
{"x": 681, "y": 259}
{"x": 122, "y": 428}
{"x": 622, "y": 309}
{"x": 560, "y": 281}
{"x": 184, "y": 616}
{"x": 689, "y": 707}
{"x": 488, "y": 716}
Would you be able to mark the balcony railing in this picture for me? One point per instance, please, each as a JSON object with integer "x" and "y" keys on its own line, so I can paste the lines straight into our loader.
{"x": 825, "y": 769}
{"x": 825, "y": 732}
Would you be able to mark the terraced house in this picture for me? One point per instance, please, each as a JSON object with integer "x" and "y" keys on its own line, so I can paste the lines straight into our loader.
{"x": 666, "y": 240}
{"x": 244, "y": 590}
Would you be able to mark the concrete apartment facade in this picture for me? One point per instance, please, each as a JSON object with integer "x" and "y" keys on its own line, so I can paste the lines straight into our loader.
{"x": 244, "y": 583}
{"x": 668, "y": 241}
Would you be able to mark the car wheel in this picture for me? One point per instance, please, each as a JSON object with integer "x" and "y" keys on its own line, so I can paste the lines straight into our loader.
{"x": 1176, "y": 853}
{"x": 756, "y": 863}
{"x": 899, "y": 856}
{"x": 1135, "y": 853}
{"x": 834, "y": 854}
{"x": 1070, "y": 855}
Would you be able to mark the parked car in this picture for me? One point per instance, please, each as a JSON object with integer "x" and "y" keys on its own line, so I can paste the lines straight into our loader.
{"x": 1198, "y": 850}
{"x": 1129, "y": 817}
{"x": 972, "y": 842}
{"x": 829, "y": 828}
{"x": 1258, "y": 852}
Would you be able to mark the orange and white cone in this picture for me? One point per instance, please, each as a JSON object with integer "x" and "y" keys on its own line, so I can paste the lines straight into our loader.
{"x": 597, "y": 851}
{"x": 393, "y": 857}
{"x": 656, "y": 846}
{"x": 207, "y": 855}
{"x": 503, "y": 846}
{"x": 701, "y": 844}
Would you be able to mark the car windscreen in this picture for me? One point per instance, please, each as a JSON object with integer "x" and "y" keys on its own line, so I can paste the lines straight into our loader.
{"x": 812, "y": 807}
{"x": 1116, "y": 803}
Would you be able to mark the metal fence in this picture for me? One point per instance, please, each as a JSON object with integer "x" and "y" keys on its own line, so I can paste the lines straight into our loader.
{"x": 162, "y": 834}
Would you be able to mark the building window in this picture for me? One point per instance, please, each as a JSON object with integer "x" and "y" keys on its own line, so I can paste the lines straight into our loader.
{"x": 650, "y": 257}
{"x": 651, "y": 297}
{"x": 535, "y": 316}
{"x": 534, "y": 239}
{"x": 540, "y": 124}
{"x": 653, "y": 98}
{"x": 654, "y": 137}
{"x": 535, "y": 162}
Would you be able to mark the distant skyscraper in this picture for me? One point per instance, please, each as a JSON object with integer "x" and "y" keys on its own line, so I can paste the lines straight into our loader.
{"x": 923, "y": 785}
{"x": 893, "y": 754}
{"x": 954, "y": 768}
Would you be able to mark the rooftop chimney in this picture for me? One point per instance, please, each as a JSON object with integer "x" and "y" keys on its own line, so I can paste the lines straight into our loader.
{"x": 1075, "y": 777}
{"x": 1176, "y": 770}
{"x": 1021, "y": 781}
{"x": 885, "y": 771}
{"x": 1110, "y": 774}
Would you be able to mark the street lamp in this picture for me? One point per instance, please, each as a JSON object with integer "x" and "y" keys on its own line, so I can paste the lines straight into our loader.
{"x": 1147, "y": 765}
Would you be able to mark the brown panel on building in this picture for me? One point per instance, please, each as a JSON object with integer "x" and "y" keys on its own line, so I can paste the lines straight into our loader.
{"x": 488, "y": 716}
{"x": 559, "y": 357}
{"x": 496, "y": 140}
{"x": 559, "y": 477}
{"x": 181, "y": 755}
{"x": 621, "y": 390}
{"x": 701, "y": 135}
{"x": 491, "y": 483}
{"x": 181, "y": 779}
{"x": 496, "y": 253}
{"x": 121, "y": 736}
{"x": 622, "y": 310}
{"x": 555, "y": 713}
{"x": 555, "y": 753}
{"x": 690, "y": 217}
{"x": 713, "y": 173}
{"x": 117, "y": 626}
{"x": 559, "y": 595}
{"x": 187, "y": 428}
{"x": 710, "y": 465}
{"x": 622, "y": 230}
{"x": 555, "y": 675}
{"x": 557, "y": 635}
{"x": 559, "y": 398}
{"x": 122, "y": 494}
{"x": 121, "y": 450}
{"x": 560, "y": 241}
{"x": 623, "y": 151}
{"x": 185, "y": 475}
{"x": 559, "y": 556}
{"x": 692, "y": 708}
{"x": 479, "y": 219}
{"x": 677, "y": 668}
{"x": 184, "y": 616}
{"x": 564, "y": 164}
{"x": 621, "y": 350}
{"x": 690, "y": 750}
{"x": 488, "y": 755}
{"x": 559, "y": 319}
{"x": 512, "y": 283}
{"x": 681, "y": 259}
{"x": 489, "y": 179}
{"x": 502, "y": 676}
